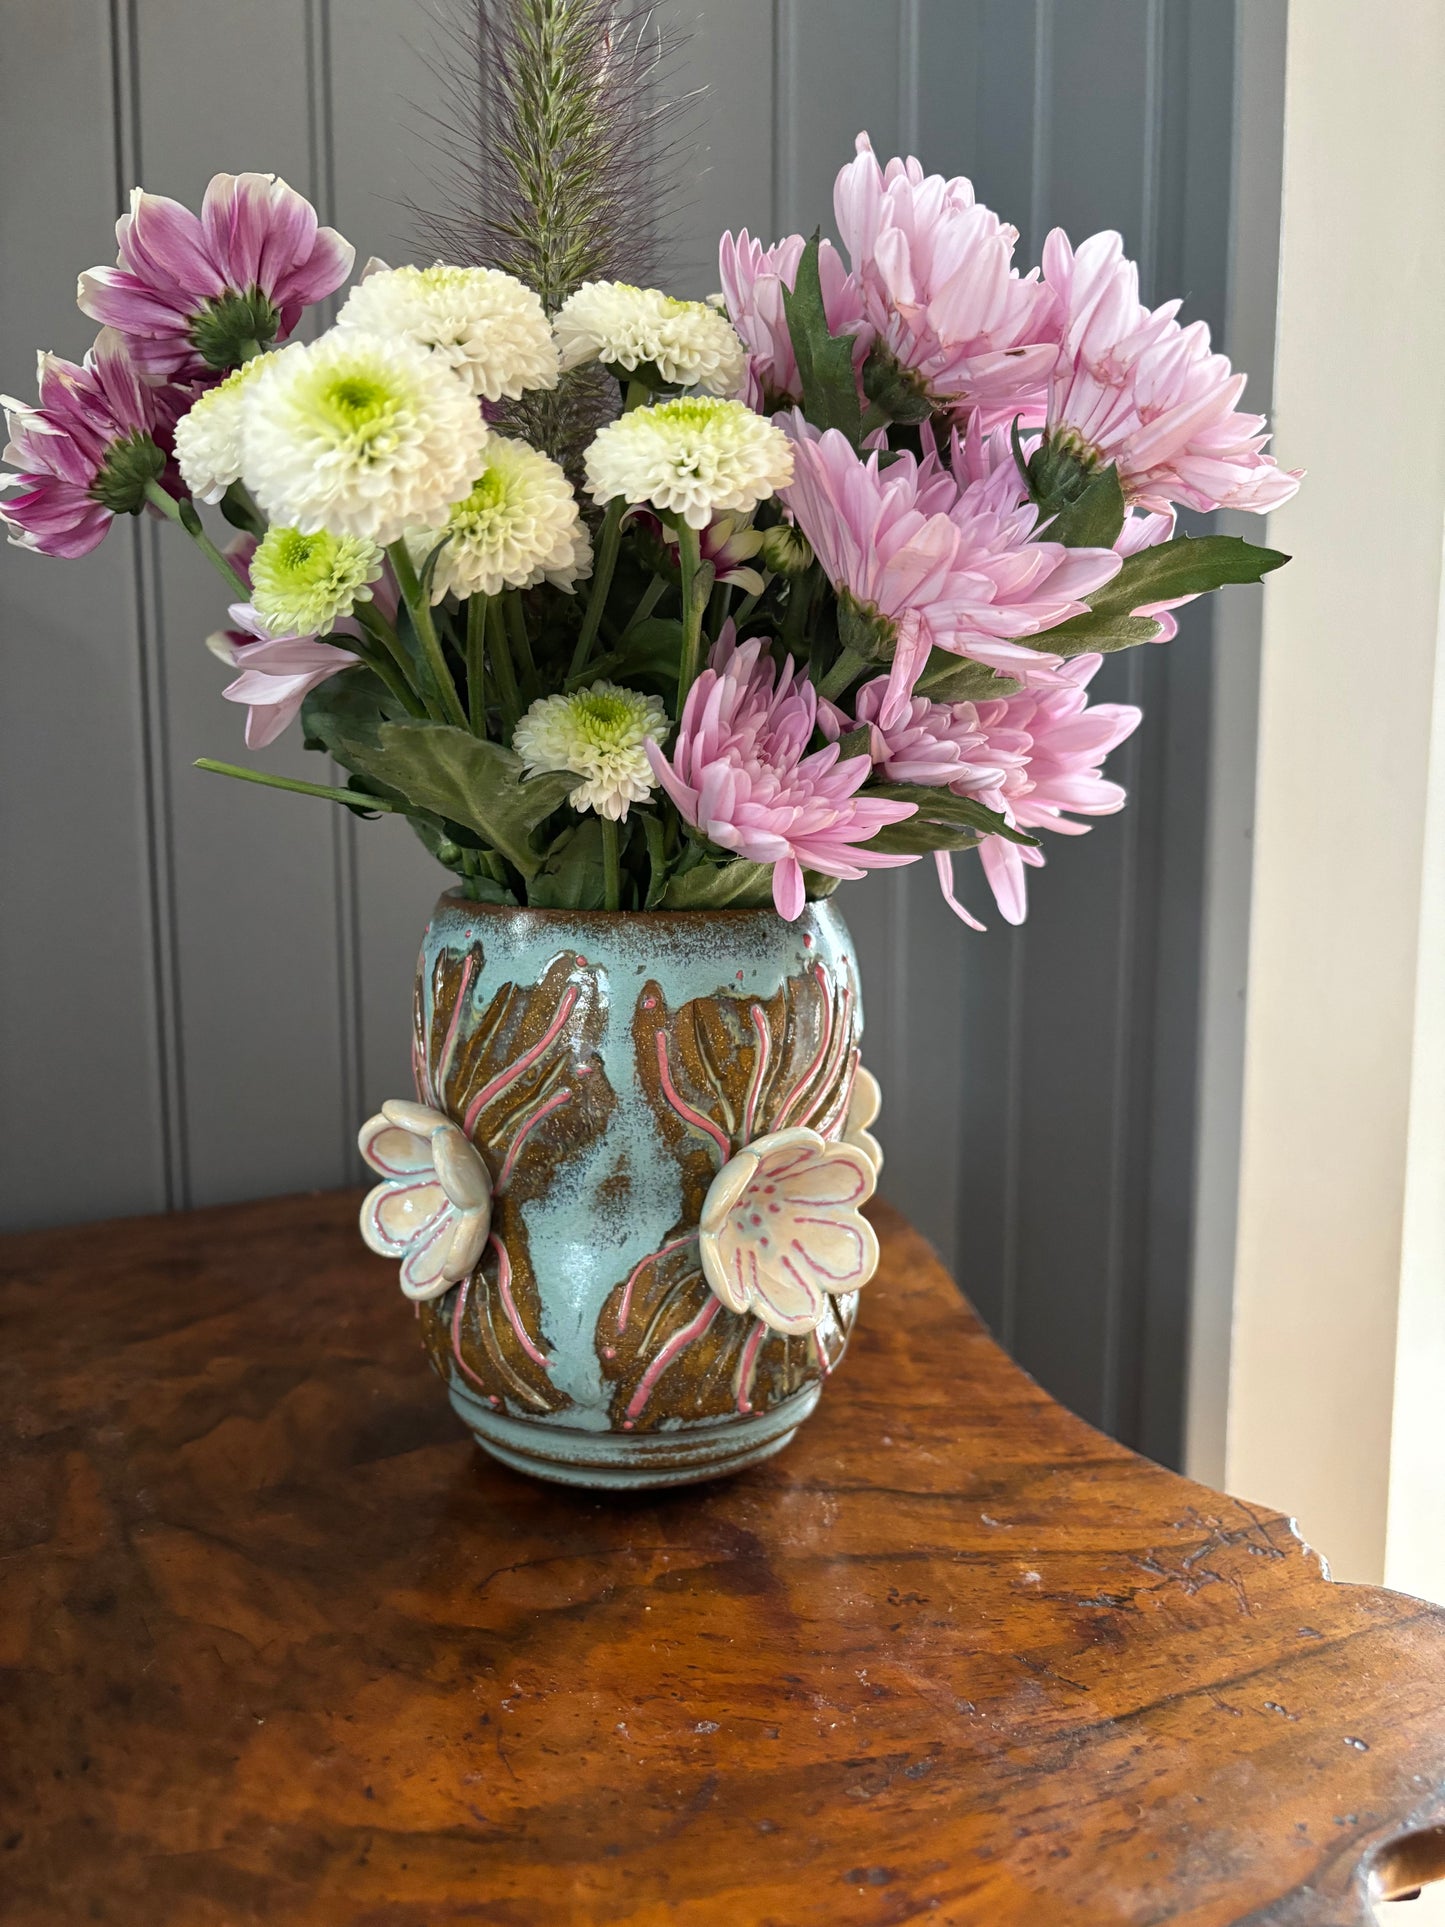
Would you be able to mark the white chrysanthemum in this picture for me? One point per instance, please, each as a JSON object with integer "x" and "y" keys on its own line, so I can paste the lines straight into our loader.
{"x": 208, "y": 435}
{"x": 518, "y": 525}
{"x": 358, "y": 436}
{"x": 693, "y": 455}
{"x": 689, "y": 343}
{"x": 488, "y": 327}
{"x": 302, "y": 585}
{"x": 599, "y": 733}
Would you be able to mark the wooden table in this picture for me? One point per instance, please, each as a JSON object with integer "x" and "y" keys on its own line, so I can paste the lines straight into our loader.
{"x": 283, "y": 1648}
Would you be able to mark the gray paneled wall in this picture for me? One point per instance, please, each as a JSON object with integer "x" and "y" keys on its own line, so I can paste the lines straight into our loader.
{"x": 210, "y": 983}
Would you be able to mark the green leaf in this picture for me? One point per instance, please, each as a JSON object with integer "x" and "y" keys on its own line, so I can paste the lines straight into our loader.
{"x": 736, "y": 885}
{"x": 825, "y": 361}
{"x": 655, "y": 834}
{"x": 439, "y": 768}
{"x": 1092, "y": 520}
{"x": 858, "y": 742}
{"x": 1189, "y": 565}
{"x": 941, "y": 809}
{"x": 1100, "y": 631}
{"x": 571, "y": 878}
{"x": 348, "y": 708}
{"x": 954, "y": 679}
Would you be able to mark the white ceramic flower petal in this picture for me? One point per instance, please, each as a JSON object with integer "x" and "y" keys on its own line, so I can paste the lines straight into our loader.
{"x": 468, "y": 1239}
{"x": 419, "y": 1118}
{"x": 459, "y": 1165}
{"x": 840, "y": 1253}
{"x": 841, "y": 1175}
{"x": 423, "y": 1271}
{"x": 395, "y": 1215}
{"x": 788, "y": 1301}
{"x": 864, "y": 1105}
{"x": 727, "y": 1187}
{"x": 392, "y": 1150}
{"x": 730, "y": 1280}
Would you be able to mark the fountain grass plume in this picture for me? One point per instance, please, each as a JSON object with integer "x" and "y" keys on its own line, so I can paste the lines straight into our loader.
{"x": 560, "y": 157}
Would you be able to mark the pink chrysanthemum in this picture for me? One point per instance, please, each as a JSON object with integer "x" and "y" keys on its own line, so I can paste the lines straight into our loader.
{"x": 85, "y": 454}
{"x": 740, "y": 774}
{"x": 942, "y": 745}
{"x": 754, "y": 279}
{"x": 939, "y": 286}
{"x": 931, "y": 564}
{"x": 1067, "y": 741}
{"x": 192, "y": 291}
{"x": 277, "y": 672}
{"x": 1134, "y": 388}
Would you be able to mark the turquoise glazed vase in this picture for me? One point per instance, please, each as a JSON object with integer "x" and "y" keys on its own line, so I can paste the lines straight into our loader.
{"x": 626, "y": 1197}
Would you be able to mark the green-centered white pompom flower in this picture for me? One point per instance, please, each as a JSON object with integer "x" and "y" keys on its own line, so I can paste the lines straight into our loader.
{"x": 518, "y": 525}
{"x": 488, "y": 327}
{"x": 208, "y": 435}
{"x": 359, "y": 436}
{"x": 689, "y": 343}
{"x": 302, "y": 585}
{"x": 693, "y": 456}
{"x": 599, "y": 733}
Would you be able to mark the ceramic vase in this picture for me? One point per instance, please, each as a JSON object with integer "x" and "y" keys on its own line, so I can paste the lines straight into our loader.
{"x": 626, "y": 1198}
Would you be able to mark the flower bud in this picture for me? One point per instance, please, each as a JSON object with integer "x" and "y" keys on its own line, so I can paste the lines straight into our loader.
{"x": 786, "y": 550}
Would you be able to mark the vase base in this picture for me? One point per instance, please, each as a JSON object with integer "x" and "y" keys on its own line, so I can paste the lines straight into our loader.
{"x": 632, "y": 1461}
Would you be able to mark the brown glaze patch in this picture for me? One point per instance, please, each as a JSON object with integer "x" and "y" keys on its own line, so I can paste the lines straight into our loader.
{"x": 744, "y": 1066}
{"x": 524, "y": 1079}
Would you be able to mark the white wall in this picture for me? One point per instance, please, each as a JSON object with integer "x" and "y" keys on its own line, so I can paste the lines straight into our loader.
{"x": 1337, "y": 1281}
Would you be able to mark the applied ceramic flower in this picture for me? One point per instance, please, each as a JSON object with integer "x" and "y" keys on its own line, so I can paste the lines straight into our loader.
{"x": 864, "y": 1105}
{"x": 434, "y": 1207}
{"x": 781, "y": 1228}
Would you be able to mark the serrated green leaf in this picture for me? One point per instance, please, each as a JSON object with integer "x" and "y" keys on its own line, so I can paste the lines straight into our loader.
{"x": 1100, "y": 632}
{"x": 955, "y": 679}
{"x": 943, "y": 809}
{"x": 572, "y": 877}
{"x": 1092, "y": 520}
{"x": 825, "y": 361}
{"x": 737, "y": 885}
{"x": 1189, "y": 565}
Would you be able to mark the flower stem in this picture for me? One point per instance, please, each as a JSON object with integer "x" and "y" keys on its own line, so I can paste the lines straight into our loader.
{"x": 368, "y": 617}
{"x": 354, "y": 798}
{"x": 247, "y": 351}
{"x": 607, "y": 546}
{"x": 522, "y": 642}
{"x": 169, "y": 507}
{"x": 689, "y": 556}
{"x": 380, "y": 663}
{"x": 420, "y": 611}
{"x": 611, "y": 866}
{"x": 849, "y": 666}
{"x": 502, "y": 667}
{"x": 646, "y": 603}
{"x": 477, "y": 663}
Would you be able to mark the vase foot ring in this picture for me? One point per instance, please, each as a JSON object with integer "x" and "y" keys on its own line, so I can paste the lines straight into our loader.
{"x": 632, "y": 1461}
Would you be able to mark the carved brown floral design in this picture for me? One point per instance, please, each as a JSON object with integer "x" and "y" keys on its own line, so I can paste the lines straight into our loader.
{"x": 718, "y": 1073}
{"x": 524, "y": 1080}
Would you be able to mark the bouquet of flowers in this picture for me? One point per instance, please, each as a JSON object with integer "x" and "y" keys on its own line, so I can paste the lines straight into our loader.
{"x": 628, "y": 602}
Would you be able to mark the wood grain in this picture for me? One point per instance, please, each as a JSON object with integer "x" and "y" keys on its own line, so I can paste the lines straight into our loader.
{"x": 282, "y": 1647}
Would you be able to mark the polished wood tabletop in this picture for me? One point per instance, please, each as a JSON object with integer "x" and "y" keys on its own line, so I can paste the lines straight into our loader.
{"x": 282, "y": 1647}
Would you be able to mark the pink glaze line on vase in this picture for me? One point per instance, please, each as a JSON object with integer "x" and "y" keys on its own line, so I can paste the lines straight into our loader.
{"x": 781, "y": 1121}
{"x": 457, "y": 1310}
{"x": 504, "y": 1292}
{"x": 831, "y": 1123}
{"x": 449, "y": 1043}
{"x": 506, "y": 1078}
{"x": 834, "y": 1063}
{"x": 674, "y": 1347}
{"x": 554, "y": 1103}
{"x": 748, "y": 1365}
{"x": 760, "y": 1070}
{"x": 625, "y": 1308}
{"x": 683, "y": 1109}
